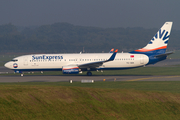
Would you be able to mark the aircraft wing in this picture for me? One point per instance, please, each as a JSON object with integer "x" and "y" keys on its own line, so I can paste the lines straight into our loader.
{"x": 99, "y": 63}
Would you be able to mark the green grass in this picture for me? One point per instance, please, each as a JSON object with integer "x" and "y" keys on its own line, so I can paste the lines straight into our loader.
{"x": 99, "y": 101}
{"x": 157, "y": 86}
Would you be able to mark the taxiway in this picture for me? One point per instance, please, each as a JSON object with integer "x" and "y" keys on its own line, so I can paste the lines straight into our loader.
{"x": 79, "y": 78}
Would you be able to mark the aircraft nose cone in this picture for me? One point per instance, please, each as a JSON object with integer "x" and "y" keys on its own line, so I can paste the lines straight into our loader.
{"x": 7, "y": 65}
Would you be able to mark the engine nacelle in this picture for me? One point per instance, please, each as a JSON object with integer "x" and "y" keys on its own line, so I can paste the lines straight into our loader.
{"x": 70, "y": 70}
{"x": 16, "y": 71}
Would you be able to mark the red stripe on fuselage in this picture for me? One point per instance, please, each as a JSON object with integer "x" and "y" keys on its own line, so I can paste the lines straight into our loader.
{"x": 70, "y": 68}
{"x": 147, "y": 50}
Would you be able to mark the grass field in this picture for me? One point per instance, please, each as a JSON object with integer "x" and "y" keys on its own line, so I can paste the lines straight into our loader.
{"x": 98, "y": 101}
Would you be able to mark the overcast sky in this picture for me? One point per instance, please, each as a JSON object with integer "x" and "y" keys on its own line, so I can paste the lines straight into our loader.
{"x": 96, "y": 13}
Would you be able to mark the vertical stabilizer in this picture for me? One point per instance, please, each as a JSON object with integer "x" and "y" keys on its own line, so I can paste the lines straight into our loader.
{"x": 158, "y": 43}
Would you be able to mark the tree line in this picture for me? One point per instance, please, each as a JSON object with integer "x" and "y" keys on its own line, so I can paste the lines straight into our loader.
{"x": 68, "y": 38}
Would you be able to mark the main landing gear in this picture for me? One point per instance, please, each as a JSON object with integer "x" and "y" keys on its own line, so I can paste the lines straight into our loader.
{"x": 89, "y": 73}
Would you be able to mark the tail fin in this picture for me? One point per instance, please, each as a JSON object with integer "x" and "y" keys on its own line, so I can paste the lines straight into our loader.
{"x": 158, "y": 43}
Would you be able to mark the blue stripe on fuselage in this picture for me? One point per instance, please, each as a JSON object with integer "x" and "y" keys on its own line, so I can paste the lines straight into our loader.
{"x": 152, "y": 54}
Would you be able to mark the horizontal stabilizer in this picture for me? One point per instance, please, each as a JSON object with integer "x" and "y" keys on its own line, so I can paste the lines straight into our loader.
{"x": 165, "y": 54}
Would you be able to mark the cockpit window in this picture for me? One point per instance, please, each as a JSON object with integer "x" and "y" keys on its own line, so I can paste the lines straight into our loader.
{"x": 14, "y": 60}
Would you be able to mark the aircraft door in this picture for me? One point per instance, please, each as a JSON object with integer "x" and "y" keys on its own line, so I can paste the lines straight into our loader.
{"x": 141, "y": 59}
{"x": 25, "y": 61}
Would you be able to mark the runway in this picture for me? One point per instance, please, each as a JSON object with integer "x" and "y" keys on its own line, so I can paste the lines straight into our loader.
{"x": 79, "y": 78}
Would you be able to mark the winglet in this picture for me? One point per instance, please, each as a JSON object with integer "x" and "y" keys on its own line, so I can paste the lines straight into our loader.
{"x": 113, "y": 56}
{"x": 111, "y": 51}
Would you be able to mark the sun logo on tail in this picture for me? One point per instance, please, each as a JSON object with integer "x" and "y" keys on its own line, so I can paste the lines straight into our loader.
{"x": 160, "y": 37}
{"x": 159, "y": 41}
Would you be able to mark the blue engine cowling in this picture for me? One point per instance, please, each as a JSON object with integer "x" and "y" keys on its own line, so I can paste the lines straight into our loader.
{"x": 70, "y": 70}
{"x": 16, "y": 71}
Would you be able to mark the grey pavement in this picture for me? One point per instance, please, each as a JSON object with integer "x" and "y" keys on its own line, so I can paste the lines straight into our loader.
{"x": 79, "y": 78}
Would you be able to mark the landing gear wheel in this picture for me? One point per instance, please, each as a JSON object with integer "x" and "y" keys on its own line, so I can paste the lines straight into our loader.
{"x": 89, "y": 73}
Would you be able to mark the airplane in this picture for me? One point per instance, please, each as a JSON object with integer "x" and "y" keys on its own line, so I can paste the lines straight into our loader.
{"x": 152, "y": 53}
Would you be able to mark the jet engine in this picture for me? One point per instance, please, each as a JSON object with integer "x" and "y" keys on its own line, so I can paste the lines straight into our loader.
{"x": 70, "y": 70}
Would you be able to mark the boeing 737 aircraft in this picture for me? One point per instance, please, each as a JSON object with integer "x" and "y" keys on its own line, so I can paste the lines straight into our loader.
{"x": 152, "y": 53}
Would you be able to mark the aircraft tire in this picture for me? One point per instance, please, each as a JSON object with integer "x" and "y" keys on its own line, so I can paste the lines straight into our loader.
{"x": 89, "y": 73}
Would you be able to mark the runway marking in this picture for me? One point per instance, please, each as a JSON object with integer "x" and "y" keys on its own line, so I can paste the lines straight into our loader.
{"x": 152, "y": 78}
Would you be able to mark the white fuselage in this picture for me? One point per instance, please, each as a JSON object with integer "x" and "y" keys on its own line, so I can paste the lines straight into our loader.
{"x": 57, "y": 61}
